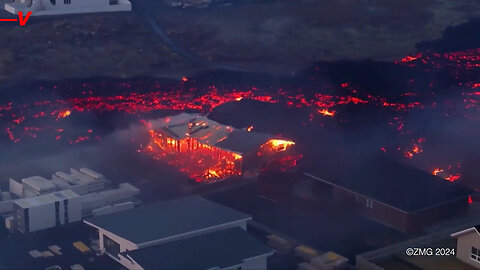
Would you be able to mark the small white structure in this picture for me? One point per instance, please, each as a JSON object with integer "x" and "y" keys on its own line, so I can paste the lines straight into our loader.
{"x": 468, "y": 246}
{"x": 58, "y": 7}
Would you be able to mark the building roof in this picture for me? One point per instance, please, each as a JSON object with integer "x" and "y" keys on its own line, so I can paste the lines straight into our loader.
{"x": 393, "y": 183}
{"x": 243, "y": 141}
{"x": 165, "y": 219}
{"x": 46, "y": 199}
{"x": 209, "y": 132}
{"x": 195, "y": 126}
{"x": 38, "y": 183}
{"x": 218, "y": 249}
{"x": 475, "y": 229}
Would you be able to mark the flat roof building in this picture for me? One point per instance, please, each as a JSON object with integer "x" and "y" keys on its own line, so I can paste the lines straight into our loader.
{"x": 392, "y": 193}
{"x": 232, "y": 248}
{"x": 161, "y": 223}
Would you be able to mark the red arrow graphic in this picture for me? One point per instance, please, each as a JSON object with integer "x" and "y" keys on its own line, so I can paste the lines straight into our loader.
{"x": 22, "y": 20}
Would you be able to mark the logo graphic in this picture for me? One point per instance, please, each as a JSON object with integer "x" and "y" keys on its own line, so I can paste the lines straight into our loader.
{"x": 22, "y": 21}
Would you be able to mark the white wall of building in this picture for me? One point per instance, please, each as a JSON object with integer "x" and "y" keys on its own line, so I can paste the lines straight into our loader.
{"x": 41, "y": 217}
{"x": 464, "y": 248}
{"x": 16, "y": 188}
{"x": 124, "y": 244}
{"x": 74, "y": 209}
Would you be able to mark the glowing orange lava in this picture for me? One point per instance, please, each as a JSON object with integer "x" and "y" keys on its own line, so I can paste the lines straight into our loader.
{"x": 326, "y": 112}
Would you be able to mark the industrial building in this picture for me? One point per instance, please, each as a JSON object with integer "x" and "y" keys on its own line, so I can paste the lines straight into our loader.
{"x": 232, "y": 248}
{"x": 208, "y": 151}
{"x": 391, "y": 193}
{"x": 47, "y": 211}
{"x": 82, "y": 181}
{"x": 65, "y": 199}
{"x": 54, "y": 7}
{"x": 191, "y": 232}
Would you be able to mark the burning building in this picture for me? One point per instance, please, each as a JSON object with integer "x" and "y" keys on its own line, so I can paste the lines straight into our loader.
{"x": 208, "y": 151}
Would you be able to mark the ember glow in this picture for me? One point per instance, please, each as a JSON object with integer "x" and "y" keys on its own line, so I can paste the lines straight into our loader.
{"x": 326, "y": 112}
{"x": 199, "y": 161}
{"x": 279, "y": 145}
{"x": 450, "y": 173}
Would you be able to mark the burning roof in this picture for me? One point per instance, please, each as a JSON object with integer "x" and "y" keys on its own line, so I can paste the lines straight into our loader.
{"x": 208, "y": 151}
{"x": 211, "y": 133}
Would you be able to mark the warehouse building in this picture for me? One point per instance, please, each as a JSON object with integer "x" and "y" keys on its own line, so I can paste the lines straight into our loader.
{"x": 392, "y": 193}
{"x": 232, "y": 248}
{"x": 178, "y": 226}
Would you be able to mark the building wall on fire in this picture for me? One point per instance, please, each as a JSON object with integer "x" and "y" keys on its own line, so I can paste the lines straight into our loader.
{"x": 208, "y": 151}
{"x": 251, "y": 164}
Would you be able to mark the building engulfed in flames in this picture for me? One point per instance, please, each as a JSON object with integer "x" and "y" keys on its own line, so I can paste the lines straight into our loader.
{"x": 208, "y": 151}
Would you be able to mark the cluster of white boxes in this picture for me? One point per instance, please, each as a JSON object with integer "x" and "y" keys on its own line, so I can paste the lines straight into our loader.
{"x": 37, "y": 203}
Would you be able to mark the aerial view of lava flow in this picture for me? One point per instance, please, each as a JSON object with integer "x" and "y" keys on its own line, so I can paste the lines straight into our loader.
{"x": 444, "y": 87}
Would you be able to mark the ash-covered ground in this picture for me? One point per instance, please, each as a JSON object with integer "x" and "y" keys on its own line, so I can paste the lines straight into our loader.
{"x": 275, "y": 37}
